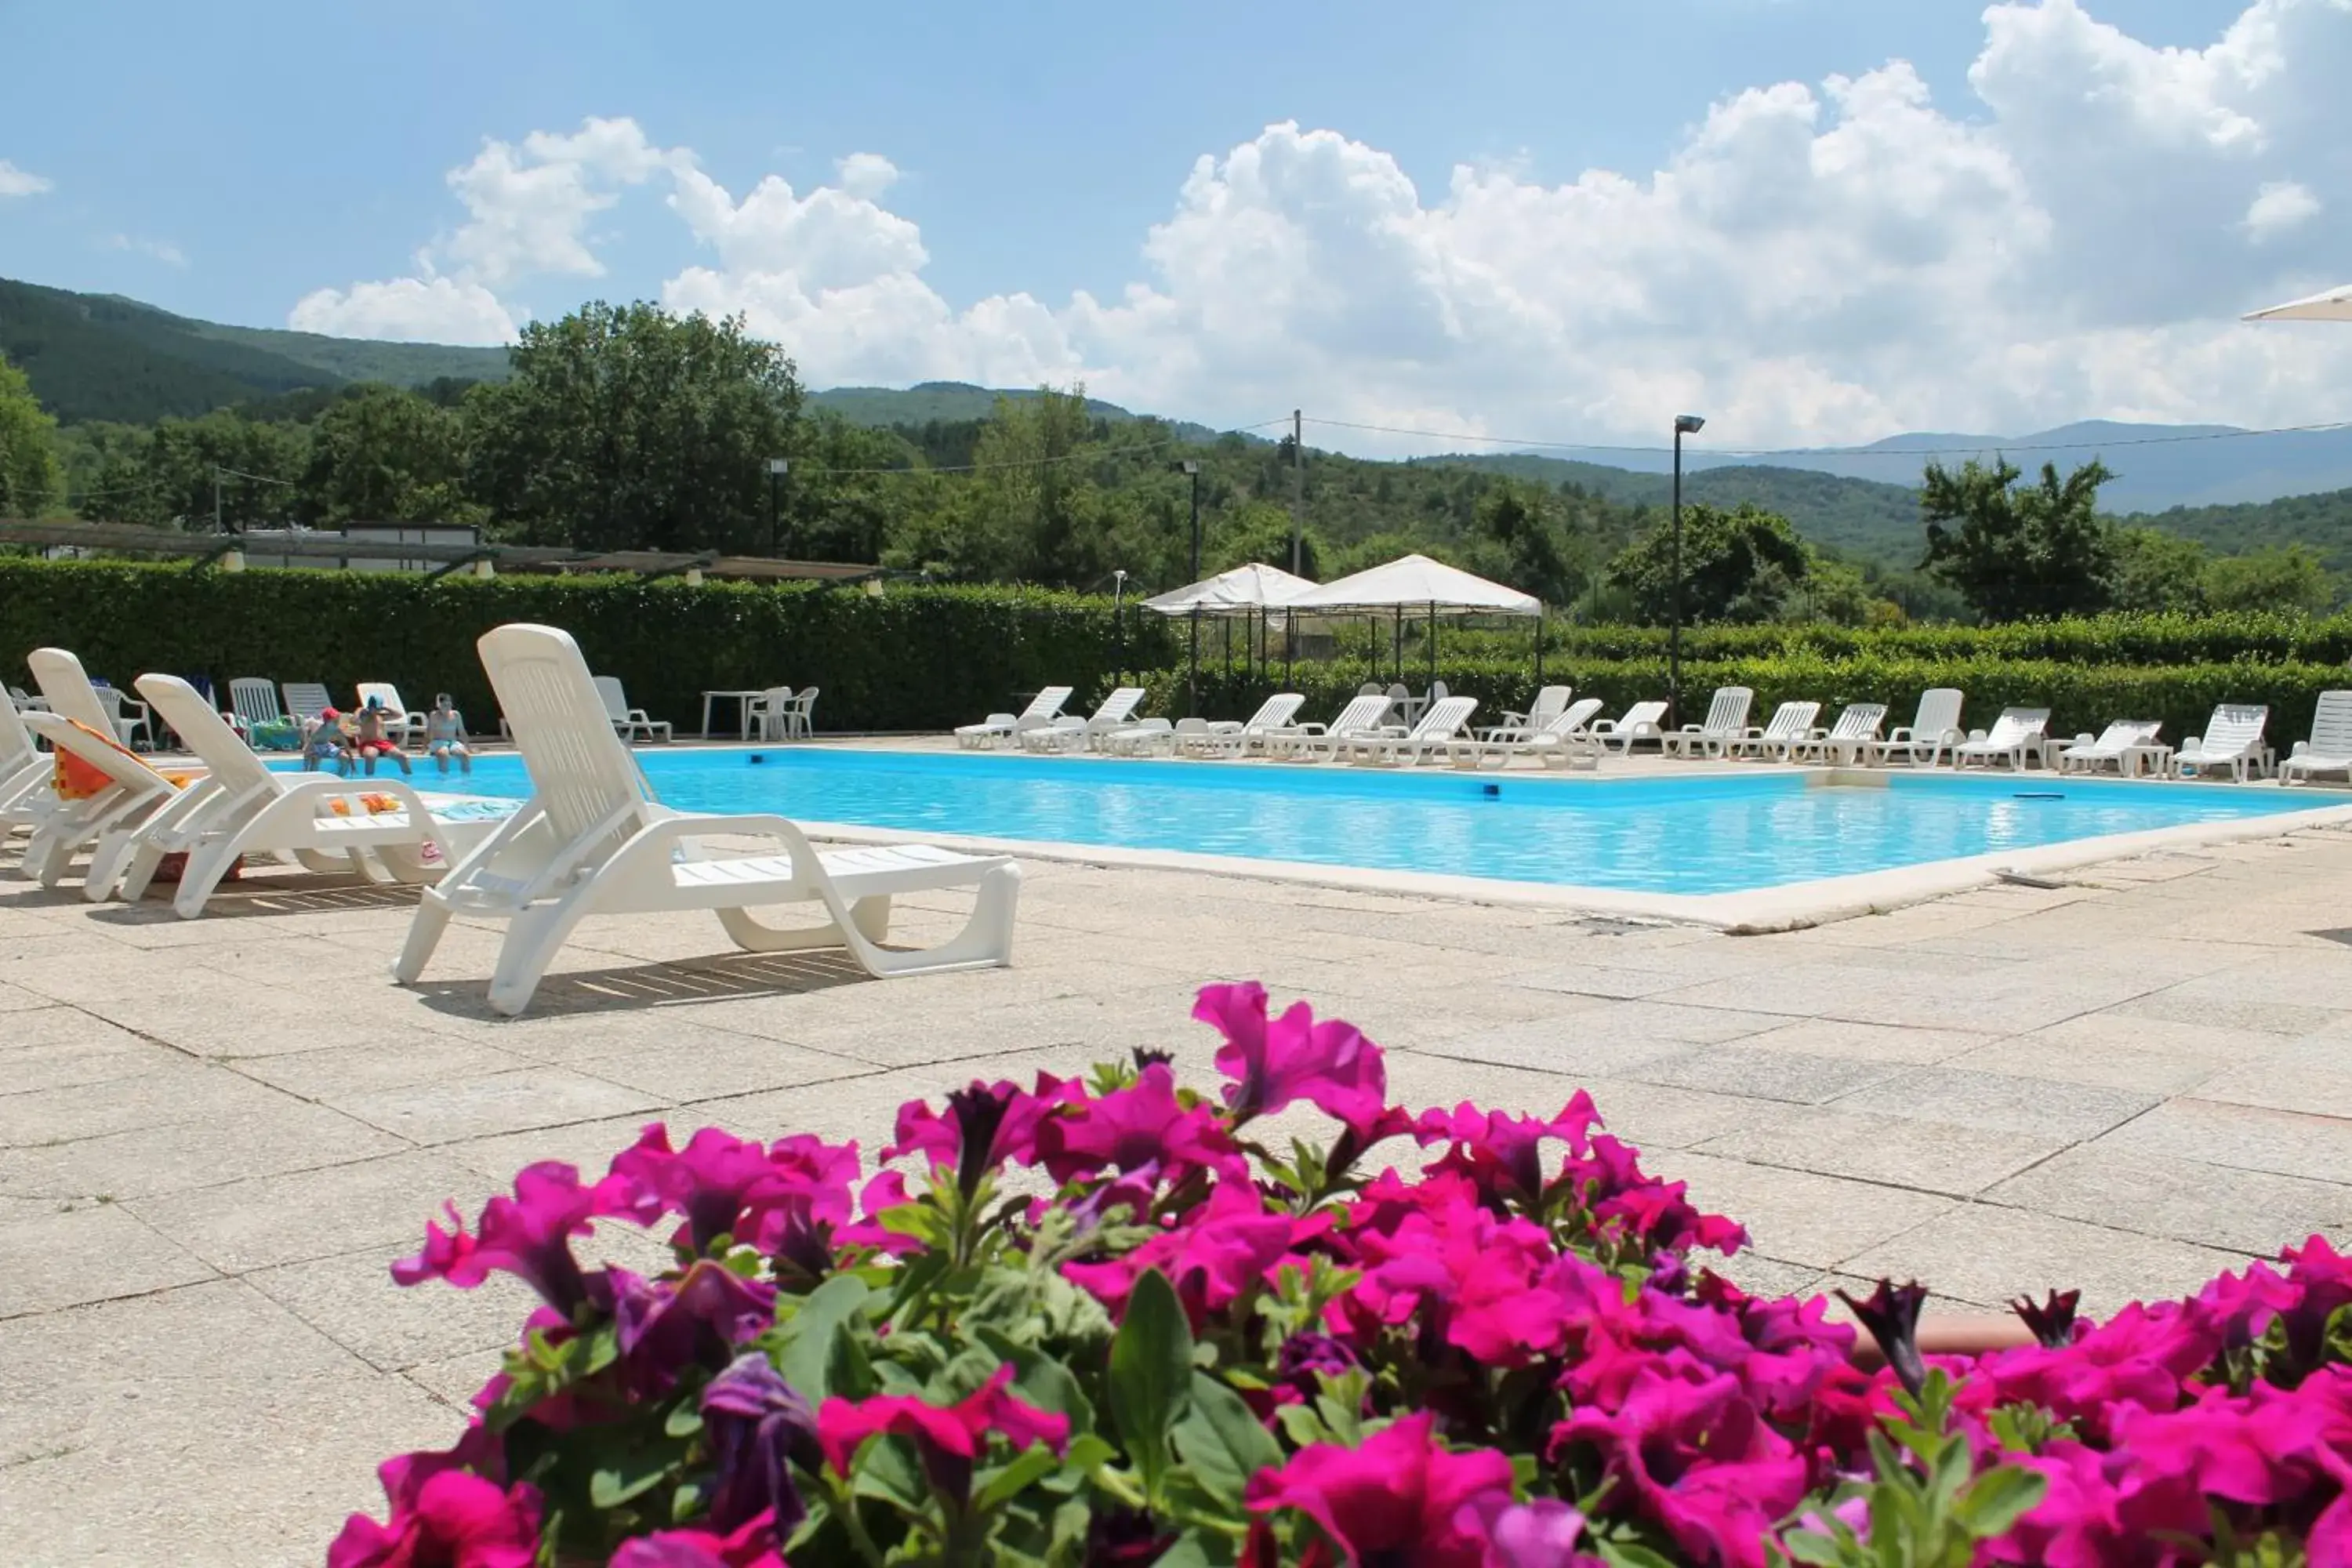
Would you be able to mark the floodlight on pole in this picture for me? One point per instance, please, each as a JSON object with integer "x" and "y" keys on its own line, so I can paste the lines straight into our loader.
{"x": 1685, "y": 425}
{"x": 1192, "y": 684}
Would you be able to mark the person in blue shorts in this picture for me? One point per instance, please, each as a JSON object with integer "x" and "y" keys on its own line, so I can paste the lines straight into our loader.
{"x": 324, "y": 745}
{"x": 445, "y": 736}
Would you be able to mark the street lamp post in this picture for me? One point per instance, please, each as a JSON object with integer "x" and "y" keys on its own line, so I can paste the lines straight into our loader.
{"x": 1193, "y": 682}
{"x": 777, "y": 468}
{"x": 1685, "y": 425}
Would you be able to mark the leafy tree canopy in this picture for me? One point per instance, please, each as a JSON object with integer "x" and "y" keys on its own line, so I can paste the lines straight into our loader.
{"x": 1741, "y": 565}
{"x": 31, "y": 475}
{"x": 2020, "y": 552}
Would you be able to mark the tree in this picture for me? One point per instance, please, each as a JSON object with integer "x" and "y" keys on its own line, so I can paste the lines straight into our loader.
{"x": 1743, "y": 565}
{"x": 30, "y": 469}
{"x": 2157, "y": 571}
{"x": 2029, "y": 552}
{"x": 2291, "y": 580}
{"x": 382, "y": 455}
{"x": 624, "y": 426}
{"x": 1530, "y": 551}
{"x": 1033, "y": 494}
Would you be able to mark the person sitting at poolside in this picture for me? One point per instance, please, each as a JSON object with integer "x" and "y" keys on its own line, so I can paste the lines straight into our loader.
{"x": 369, "y": 741}
{"x": 445, "y": 736}
{"x": 324, "y": 745}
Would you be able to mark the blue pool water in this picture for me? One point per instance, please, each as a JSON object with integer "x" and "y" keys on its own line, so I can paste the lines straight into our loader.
{"x": 1700, "y": 834}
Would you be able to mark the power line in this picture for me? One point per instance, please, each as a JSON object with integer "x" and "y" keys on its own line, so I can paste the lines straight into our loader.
{"x": 1847, "y": 451}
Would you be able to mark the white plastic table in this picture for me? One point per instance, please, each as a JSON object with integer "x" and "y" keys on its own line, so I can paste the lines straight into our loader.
{"x": 2153, "y": 758}
{"x": 743, "y": 700}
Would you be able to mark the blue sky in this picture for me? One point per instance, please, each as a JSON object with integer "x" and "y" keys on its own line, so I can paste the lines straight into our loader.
{"x": 231, "y": 165}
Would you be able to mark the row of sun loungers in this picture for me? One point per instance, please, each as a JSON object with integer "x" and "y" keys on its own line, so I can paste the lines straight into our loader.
{"x": 592, "y": 839}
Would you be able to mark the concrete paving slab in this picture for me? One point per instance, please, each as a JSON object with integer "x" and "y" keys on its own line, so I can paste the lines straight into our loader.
{"x": 1892, "y": 1151}
{"x": 94, "y": 1253}
{"x": 2213, "y": 1205}
{"x": 1990, "y": 1255}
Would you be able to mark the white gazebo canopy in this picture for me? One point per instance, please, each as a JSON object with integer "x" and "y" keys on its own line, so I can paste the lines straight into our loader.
{"x": 2336, "y": 305}
{"x": 1243, "y": 591}
{"x": 1417, "y": 583}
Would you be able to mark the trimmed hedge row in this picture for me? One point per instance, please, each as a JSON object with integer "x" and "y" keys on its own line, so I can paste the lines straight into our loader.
{"x": 2105, "y": 639}
{"x": 2080, "y": 695}
{"x": 912, "y": 658}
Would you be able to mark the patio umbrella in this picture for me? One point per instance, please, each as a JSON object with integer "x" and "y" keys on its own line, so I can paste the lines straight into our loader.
{"x": 1417, "y": 583}
{"x": 2336, "y": 305}
{"x": 1243, "y": 592}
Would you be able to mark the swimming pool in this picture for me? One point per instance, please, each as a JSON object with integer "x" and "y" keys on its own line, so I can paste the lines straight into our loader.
{"x": 1707, "y": 834}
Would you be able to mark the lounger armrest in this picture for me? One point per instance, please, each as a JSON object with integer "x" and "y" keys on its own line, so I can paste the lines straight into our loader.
{"x": 2300, "y": 747}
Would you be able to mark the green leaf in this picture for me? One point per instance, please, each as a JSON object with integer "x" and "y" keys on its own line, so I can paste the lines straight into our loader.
{"x": 1002, "y": 1485}
{"x": 1151, "y": 1373}
{"x": 1997, "y": 1499}
{"x": 1630, "y": 1555}
{"x": 813, "y": 1356}
{"x": 629, "y": 1475}
{"x": 1222, "y": 1441}
{"x": 1948, "y": 1472}
{"x": 1198, "y": 1549}
{"x": 1041, "y": 1380}
{"x": 1805, "y": 1546}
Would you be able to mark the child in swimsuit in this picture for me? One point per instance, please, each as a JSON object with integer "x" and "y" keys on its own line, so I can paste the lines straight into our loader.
{"x": 371, "y": 743}
{"x": 445, "y": 736}
{"x": 323, "y": 745}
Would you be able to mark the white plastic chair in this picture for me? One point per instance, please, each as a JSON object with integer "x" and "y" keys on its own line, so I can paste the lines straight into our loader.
{"x": 592, "y": 839}
{"x": 1935, "y": 730}
{"x": 800, "y": 719}
{"x": 769, "y": 715}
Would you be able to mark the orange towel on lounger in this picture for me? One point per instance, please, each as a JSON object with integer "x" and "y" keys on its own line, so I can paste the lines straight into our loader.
{"x": 75, "y": 779}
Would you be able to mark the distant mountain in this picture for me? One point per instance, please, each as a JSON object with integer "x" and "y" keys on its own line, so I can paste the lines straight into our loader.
{"x": 99, "y": 357}
{"x": 955, "y": 401}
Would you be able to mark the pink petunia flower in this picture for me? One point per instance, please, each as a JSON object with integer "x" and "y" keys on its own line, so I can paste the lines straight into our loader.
{"x": 1541, "y": 1533}
{"x": 528, "y": 1236}
{"x": 1005, "y": 1117}
{"x": 443, "y": 1519}
{"x": 948, "y": 1438}
{"x": 1696, "y": 1458}
{"x": 1227, "y": 1246}
{"x": 1503, "y": 1153}
{"x": 1275, "y": 1063}
{"x": 1400, "y": 1497}
{"x": 1139, "y": 1125}
{"x": 664, "y": 1326}
{"x": 752, "y": 1545}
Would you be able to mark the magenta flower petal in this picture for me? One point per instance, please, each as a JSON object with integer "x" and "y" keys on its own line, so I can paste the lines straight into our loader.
{"x": 948, "y": 1438}
{"x": 450, "y": 1517}
{"x": 528, "y": 1236}
{"x": 1276, "y": 1064}
{"x": 1401, "y": 1496}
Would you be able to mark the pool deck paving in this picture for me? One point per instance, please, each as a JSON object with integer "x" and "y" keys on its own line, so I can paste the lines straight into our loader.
{"x": 214, "y": 1136}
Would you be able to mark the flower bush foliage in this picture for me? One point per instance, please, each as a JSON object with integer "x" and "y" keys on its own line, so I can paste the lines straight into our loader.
{"x": 1455, "y": 1338}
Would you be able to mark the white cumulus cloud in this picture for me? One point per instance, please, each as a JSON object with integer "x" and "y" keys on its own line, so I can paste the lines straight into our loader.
{"x": 16, "y": 182}
{"x": 407, "y": 310}
{"x": 1809, "y": 262}
{"x": 160, "y": 250}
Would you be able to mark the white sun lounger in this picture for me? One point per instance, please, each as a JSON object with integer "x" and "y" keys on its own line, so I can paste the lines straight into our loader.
{"x": 305, "y": 701}
{"x": 592, "y": 839}
{"x": 67, "y": 689}
{"x": 629, "y": 723}
{"x": 2016, "y": 733}
{"x": 1933, "y": 730}
{"x": 1726, "y": 724}
{"x": 1551, "y": 702}
{"x": 99, "y": 821}
{"x": 1313, "y": 742}
{"x": 1639, "y": 722}
{"x": 1564, "y": 743}
{"x": 23, "y": 769}
{"x": 2329, "y": 750}
{"x": 1846, "y": 742}
{"x": 254, "y": 701}
{"x": 2232, "y": 740}
{"x": 1043, "y": 710}
{"x": 2085, "y": 754}
{"x": 1430, "y": 737}
{"x": 1068, "y": 732}
{"x": 401, "y": 721}
{"x": 1790, "y": 726}
{"x": 240, "y": 807}
{"x": 1237, "y": 737}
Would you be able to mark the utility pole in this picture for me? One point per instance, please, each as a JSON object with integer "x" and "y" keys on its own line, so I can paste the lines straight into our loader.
{"x": 217, "y": 504}
{"x": 1298, "y": 493}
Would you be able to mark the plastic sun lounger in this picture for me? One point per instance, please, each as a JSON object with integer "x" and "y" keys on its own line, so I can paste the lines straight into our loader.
{"x": 1639, "y": 722}
{"x": 101, "y": 821}
{"x": 67, "y": 689}
{"x": 1848, "y": 741}
{"x": 319, "y": 821}
{"x": 402, "y": 722}
{"x": 592, "y": 839}
{"x": 2018, "y": 733}
{"x": 2088, "y": 755}
{"x": 24, "y": 771}
{"x": 1935, "y": 730}
{"x": 1238, "y": 737}
{"x": 1068, "y": 732}
{"x": 628, "y": 722}
{"x": 2232, "y": 740}
{"x": 2329, "y": 750}
{"x": 1564, "y": 743}
{"x": 1429, "y": 738}
{"x": 1791, "y": 725}
{"x": 1726, "y": 725}
{"x": 1550, "y": 704}
{"x": 1313, "y": 742}
{"x": 1042, "y": 710}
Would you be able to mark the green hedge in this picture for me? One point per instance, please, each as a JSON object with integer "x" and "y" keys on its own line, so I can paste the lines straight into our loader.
{"x": 2109, "y": 639}
{"x": 912, "y": 658}
{"x": 2081, "y": 694}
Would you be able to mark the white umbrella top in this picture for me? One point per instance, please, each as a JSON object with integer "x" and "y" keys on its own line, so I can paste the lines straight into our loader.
{"x": 1417, "y": 583}
{"x": 2336, "y": 305}
{"x": 1242, "y": 590}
